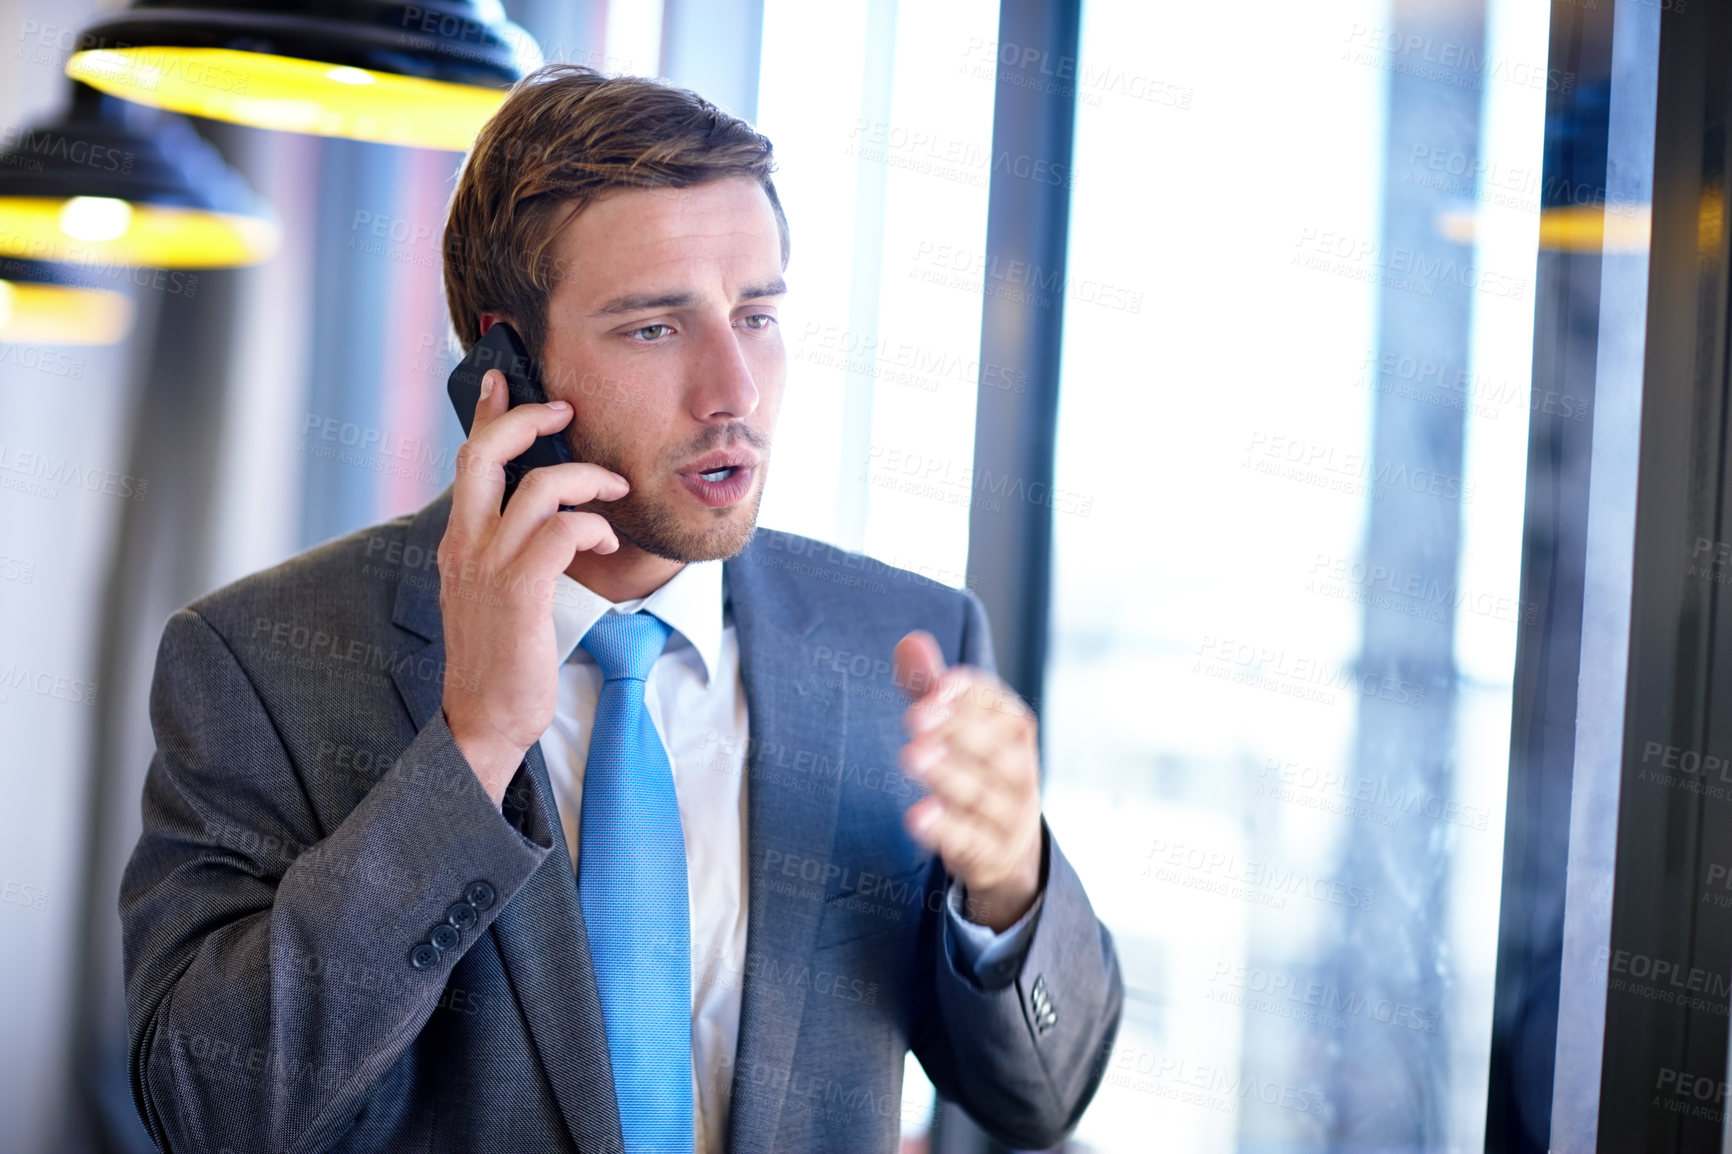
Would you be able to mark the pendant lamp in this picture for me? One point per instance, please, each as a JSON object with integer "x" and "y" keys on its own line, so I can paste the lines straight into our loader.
{"x": 427, "y": 75}
{"x": 110, "y": 183}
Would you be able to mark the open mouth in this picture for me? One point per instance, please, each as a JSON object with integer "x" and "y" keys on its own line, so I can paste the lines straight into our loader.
{"x": 721, "y": 486}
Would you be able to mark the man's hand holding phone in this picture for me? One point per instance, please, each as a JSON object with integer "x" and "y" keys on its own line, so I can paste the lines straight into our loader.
{"x": 497, "y": 576}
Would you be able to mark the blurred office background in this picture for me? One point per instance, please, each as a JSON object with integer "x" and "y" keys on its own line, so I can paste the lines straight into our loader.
{"x": 1234, "y": 438}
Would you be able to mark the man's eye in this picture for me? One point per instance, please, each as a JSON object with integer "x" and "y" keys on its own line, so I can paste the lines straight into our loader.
{"x": 651, "y": 330}
{"x": 762, "y": 321}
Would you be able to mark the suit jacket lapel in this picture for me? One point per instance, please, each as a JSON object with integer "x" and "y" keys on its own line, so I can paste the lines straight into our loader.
{"x": 545, "y": 947}
{"x": 540, "y": 933}
{"x": 794, "y": 723}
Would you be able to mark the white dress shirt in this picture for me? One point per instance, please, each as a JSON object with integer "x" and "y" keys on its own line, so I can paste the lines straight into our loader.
{"x": 696, "y": 697}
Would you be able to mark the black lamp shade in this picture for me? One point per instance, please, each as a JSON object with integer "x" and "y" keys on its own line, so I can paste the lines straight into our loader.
{"x": 445, "y": 40}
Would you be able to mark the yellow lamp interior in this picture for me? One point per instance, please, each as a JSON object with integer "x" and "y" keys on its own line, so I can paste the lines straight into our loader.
{"x": 101, "y": 230}
{"x": 1596, "y": 228}
{"x": 1617, "y": 227}
{"x": 51, "y": 314}
{"x": 292, "y": 95}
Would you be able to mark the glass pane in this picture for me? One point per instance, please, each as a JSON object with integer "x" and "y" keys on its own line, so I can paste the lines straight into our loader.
{"x": 1298, "y": 336}
{"x": 882, "y": 144}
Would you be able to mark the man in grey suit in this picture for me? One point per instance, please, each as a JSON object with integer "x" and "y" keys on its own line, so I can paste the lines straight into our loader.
{"x": 352, "y": 921}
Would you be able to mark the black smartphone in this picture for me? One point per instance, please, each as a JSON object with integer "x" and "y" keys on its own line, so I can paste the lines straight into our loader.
{"x": 501, "y": 348}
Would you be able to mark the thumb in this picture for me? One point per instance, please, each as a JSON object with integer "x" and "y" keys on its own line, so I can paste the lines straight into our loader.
{"x": 918, "y": 663}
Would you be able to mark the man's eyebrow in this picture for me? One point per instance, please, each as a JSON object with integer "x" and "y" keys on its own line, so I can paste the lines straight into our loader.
{"x": 646, "y": 302}
{"x": 771, "y": 288}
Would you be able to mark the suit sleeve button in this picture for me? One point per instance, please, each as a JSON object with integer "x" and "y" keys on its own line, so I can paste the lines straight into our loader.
{"x": 443, "y": 937}
{"x": 462, "y": 915}
{"x": 478, "y": 894}
{"x": 423, "y": 955}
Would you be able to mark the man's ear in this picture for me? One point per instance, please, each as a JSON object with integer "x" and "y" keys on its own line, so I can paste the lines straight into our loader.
{"x": 487, "y": 322}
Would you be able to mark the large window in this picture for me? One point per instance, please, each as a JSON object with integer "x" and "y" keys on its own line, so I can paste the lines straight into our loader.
{"x": 882, "y": 134}
{"x": 1297, "y": 344}
{"x": 882, "y": 130}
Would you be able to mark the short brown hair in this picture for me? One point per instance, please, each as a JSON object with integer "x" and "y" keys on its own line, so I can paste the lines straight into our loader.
{"x": 565, "y": 135}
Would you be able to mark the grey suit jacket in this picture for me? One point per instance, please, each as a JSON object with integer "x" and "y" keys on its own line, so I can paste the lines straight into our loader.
{"x": 309, "y": 823}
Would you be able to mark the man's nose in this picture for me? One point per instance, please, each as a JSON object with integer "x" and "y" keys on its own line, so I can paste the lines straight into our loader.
{"x": 723, "y": 388}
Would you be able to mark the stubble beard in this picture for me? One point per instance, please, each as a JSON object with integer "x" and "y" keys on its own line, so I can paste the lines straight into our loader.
{"x": 650, "y": 524}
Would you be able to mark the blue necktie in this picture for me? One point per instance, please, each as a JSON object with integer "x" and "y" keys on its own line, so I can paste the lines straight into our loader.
{"x": 631, "y": 879}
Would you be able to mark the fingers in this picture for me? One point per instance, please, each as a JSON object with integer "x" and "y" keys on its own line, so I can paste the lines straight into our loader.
{"x": 497, "y": 434}
{"x": 981, "y": 720}
{"x": 979, "y": 853}
{"x": 563, "y": 536}
{"x": 961, "y": 692}
{"x": 987, "y": 775}
{"x": 539, "y": 496}
{"x": 975, "y": 746}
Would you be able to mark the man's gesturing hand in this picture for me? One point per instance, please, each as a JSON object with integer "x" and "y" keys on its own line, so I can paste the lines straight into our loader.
{"x": 974, "y": 744}
{"x": 497, "y": 577}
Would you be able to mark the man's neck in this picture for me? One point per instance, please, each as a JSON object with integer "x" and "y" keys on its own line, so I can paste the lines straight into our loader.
{"x": 623, "y": 575}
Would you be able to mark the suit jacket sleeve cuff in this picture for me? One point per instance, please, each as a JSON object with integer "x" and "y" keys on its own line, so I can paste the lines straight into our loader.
{"x": 1027, "y": 1058}
{"x": 991, "y": 959}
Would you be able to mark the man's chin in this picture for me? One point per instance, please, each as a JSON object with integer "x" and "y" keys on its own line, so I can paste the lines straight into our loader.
{"x": 663, "y": 533}
{"x": 696, "y": 547}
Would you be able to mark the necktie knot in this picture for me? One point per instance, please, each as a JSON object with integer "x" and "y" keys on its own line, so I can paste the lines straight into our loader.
{"x": 626, "y": 645}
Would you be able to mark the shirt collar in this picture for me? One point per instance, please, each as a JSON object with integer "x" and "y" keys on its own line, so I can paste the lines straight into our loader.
{"x": 690, "y": 602}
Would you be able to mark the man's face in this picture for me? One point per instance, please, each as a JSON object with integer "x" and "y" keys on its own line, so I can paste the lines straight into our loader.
{"x": 663, "y": 334}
